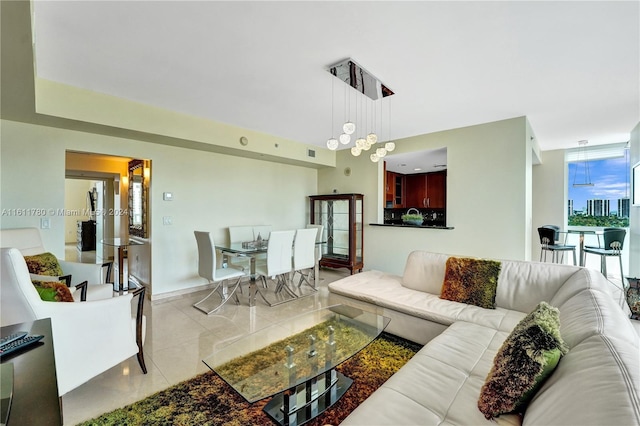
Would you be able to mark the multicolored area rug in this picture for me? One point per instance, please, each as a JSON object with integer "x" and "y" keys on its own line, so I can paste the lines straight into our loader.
{"x": 208, "y": 400}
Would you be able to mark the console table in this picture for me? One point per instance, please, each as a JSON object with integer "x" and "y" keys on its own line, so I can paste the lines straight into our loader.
{"x": 35, "y": 388}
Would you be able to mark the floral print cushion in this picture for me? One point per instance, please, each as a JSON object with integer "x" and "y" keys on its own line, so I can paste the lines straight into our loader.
{"x": 44, "y": 264}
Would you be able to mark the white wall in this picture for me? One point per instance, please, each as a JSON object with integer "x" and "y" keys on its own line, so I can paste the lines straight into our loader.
{"x": 75, "y": 200}
{"x": 211, "y": 192}
{"x": 549, "y": 195}
{"x": 487, "y": 196}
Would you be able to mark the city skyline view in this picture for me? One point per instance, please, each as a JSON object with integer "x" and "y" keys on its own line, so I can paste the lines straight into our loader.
{"x": 610, "y": 178}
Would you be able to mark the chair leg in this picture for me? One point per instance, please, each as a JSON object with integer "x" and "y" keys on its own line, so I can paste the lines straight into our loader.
{"x": 621, "y": 272}
{"x": 603, "y": 265}
{"x": 574, "y": 258}
{"x": 223, "y": 292}
{"x": 140, "y": 293}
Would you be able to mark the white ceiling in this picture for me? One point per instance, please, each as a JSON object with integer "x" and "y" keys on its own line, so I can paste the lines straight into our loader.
{"x": 572, "y": 67}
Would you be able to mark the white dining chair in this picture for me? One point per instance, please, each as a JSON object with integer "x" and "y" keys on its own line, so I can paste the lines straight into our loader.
{"x": 304, "y": 255}
{"x": 319, "y": 239}
{"x": 207, "y": 268}
{"x": 277, "y": 267}
{"x": 262, "y": 231}
{"x": 237, "y": 235}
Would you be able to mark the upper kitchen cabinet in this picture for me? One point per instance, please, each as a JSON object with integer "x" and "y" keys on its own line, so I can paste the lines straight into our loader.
{"x": 394, "y": 190}
{"x": 426, "y": 190}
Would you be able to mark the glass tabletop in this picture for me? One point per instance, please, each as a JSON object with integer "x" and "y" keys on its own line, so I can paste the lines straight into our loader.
{"x": 243, "y": 248}
{"x": 288, "y": 353}
{"x": 121, "y": 242}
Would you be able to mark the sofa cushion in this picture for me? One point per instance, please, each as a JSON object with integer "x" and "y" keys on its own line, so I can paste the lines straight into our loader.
{"x": 471, "y": 281}
{"x": 592, "y": 312}
{"x": 52, "y": 291}
{"x": 522, "y": 285}
{"x": 527, "y": 357}
{"x": 385, "y": 290}
{"x": 424, "y": 271}
{"x": 44, "y": 264}
{"x": 596, "y": 383}
{"x": 439, "y": 385}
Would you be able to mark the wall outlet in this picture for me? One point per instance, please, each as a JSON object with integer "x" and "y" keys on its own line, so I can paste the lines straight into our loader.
{"x": 167, "y": 220}
{"x": 45, "y": 223}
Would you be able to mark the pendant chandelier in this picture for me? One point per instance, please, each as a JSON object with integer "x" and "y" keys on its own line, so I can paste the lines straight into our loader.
{"x": 361, "y": 128}
{"x": 583, "y": 164}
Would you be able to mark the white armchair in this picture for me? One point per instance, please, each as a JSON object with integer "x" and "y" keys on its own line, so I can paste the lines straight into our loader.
{"x": 29, "y": 243}
{"x": 89, "y": 338}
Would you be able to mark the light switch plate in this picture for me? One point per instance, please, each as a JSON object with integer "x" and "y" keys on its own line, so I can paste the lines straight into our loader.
{"x": 167, "y": 220}
{"x": 45, "y": 223}
{"x": 167, "y": 196}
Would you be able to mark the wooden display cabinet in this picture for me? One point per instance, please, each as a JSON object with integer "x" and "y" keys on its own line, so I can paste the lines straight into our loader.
{"x": 341, "y": 215}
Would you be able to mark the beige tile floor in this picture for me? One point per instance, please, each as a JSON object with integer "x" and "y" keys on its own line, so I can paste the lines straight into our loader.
{"x": 178, "y": 337}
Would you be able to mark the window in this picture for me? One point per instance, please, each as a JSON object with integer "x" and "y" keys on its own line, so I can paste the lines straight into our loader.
{"x": 606, "y": 202}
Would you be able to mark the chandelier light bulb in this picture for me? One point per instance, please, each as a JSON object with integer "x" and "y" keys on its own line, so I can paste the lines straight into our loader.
{"x": 367, "y": 145}
{"x": 349, "y": 128}
{"x": 390, "y": 146}
{"x": 360, "y": 143}
{"x": 344, "y": 138}
{"x": 381, "y": 152}
{"x": 355, "y": 151}
{"x": 372, "y": 138}
{"x": 332, "y": 144}
{"x": 374, "y": 158}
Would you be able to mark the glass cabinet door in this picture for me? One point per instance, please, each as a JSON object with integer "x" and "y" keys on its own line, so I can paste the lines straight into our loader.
{"x": 341, "y": 216}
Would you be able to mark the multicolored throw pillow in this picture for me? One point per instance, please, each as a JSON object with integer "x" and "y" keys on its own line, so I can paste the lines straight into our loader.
{"x": 471, "y": 281}
{"x": 52, "y": 291}
{"x": 44, "y": 264}
{"x": 525, "y": 360}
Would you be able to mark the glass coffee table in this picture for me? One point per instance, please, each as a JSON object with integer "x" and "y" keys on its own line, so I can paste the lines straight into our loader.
{"x": 294, "y": 361}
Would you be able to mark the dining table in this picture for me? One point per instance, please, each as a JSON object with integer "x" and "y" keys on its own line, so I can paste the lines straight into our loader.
{"x": 582, "y": 233}
{"x": 252, "y": 250}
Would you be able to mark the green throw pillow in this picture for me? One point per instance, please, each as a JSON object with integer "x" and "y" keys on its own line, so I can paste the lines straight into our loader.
{"x": 44, "y": 264}
{"x": 525, "y": 360}
{"x": 471, "y": 281}
{"x": 51, "y": 291}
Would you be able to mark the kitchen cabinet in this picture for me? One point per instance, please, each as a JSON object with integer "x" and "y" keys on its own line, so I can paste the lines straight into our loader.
{"x": 341, "y": 215}
{"x": 426, "y": 190}
{"x": 394, "y": 190}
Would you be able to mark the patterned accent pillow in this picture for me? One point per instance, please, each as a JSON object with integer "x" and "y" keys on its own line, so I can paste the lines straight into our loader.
{"x": 44, "y": 264}
{"x": 524, "y": 361}
{"x": 52, "y": 291}
{"x": 471, "y": 281}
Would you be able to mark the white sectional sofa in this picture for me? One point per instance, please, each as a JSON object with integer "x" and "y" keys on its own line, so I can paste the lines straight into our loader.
{"x": 596, "y": 383}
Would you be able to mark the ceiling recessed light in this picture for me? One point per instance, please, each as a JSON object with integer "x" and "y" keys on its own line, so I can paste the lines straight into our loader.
{"x": 417, "y": 169}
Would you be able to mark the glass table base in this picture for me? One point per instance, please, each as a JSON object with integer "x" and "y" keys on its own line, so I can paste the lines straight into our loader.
{"x": 301, "y": 403}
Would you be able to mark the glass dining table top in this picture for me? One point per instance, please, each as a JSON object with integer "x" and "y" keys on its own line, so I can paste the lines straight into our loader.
{"x": 120, "y": 242}
{"x": 260, "y": 364}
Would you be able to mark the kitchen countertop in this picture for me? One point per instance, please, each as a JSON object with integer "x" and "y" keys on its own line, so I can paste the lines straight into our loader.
{"x": 402, "y": 225}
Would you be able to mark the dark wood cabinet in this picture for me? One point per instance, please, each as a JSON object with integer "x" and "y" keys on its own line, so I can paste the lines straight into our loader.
{"x": 426, "y": 190}
{"x": 394, "y": 190}
{"x": 437, "y": 190}
{"x": 341, "y": 215}
{"x": 86, "y": 235}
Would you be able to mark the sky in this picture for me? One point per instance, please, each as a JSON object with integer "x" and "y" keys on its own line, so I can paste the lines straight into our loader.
{"x": 610, "y": 178}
